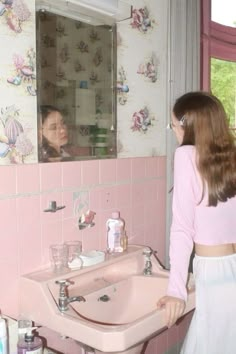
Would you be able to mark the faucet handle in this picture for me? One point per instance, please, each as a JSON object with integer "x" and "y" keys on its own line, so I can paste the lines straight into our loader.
{"x": 63, "y": 283}
{"x": 147, "y": 252}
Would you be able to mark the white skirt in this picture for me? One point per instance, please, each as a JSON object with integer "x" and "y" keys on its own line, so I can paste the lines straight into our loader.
{"x": 213, "y": 326}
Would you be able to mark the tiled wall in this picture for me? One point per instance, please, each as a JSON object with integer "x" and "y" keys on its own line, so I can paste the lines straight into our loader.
{"x": 135, "y": 186}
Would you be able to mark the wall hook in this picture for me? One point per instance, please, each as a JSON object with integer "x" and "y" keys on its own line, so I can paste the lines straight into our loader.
{"x": 53, "y": 207}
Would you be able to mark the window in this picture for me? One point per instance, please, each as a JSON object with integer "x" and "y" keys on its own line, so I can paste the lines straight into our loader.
{"x": 218, "y": 45}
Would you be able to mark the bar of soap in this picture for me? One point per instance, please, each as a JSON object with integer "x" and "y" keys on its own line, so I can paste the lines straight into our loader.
{"x": 92, "y": 257}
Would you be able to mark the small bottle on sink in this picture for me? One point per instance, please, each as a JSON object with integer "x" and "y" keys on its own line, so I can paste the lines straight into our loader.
{"x": 115, "y": 230}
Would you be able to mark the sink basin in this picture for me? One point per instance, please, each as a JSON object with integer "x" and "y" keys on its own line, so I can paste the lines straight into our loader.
{"x": 120, "y": 308}
{"x": 123, "y": 302}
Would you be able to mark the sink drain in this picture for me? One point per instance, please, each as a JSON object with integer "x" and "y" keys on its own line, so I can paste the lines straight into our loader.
{"x": 104, "y": 298}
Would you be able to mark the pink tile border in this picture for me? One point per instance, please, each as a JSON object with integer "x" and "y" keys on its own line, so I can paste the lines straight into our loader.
{"x": 28, "y": 178}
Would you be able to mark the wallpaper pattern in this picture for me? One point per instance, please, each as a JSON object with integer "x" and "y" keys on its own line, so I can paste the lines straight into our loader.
{"x": 18, "y": 123}
{"x": 141, "y": 80}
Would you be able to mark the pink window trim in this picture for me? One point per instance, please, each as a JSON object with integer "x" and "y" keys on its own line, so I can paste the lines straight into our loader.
{"x": 217, "y": 41}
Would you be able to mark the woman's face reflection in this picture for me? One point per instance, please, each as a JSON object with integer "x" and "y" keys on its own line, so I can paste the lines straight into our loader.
{"x": 55, "y": 130}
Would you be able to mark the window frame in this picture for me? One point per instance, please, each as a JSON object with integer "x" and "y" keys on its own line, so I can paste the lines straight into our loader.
{"x": 217, "y": 40}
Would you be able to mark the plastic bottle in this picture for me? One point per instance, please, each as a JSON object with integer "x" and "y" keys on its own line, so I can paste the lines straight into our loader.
{"x": 115, "y": 230}
{"x": 124, "y": 241}
{"x": 23, "y": 326}
{"x": 30, "y": 344}
{"x": 3, "y": 336}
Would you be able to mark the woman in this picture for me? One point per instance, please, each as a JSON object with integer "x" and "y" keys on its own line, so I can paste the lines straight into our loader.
{"x": 53, "y": 134}
{"x": 204, "y": 217}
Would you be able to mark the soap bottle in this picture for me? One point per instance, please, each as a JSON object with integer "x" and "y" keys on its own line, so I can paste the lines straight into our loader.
{"x": 115, "y": 230}
{"x": 3, "y": 336}
{"x": 30, "y": 344}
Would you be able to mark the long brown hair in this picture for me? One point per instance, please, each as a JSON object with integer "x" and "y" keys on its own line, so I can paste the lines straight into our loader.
{"x": 206, "y": 126}
{"x": 46, "y": 151}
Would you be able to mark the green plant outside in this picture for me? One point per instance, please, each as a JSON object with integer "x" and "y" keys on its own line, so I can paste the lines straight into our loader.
{"x": 223, "y": 86}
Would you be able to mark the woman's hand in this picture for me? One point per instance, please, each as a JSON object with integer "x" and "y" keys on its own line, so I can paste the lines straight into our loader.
{"x": 174, "y": 308}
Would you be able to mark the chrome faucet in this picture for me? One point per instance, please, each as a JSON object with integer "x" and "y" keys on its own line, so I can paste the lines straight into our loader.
{"x": 64, "y": 299}
{"x": 148, "y": 263}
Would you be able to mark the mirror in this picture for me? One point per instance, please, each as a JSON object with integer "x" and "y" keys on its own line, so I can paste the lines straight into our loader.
{"x": 76, "y": 72}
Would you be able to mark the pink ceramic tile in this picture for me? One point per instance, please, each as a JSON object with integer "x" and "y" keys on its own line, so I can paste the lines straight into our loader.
{"x": 9, "y": 286}
{"x": 29, "y": 238}
{"x": 71, "y": 230}
{"x": 30, "y": 255}
{"x": 90, "y": 238}
{"x": 95, "y": 199}
{"x": 51, "y": 175}
{"x": 138, "y": 193}
{"x": 107, "y": 171}
{"x": 123, "y": 169}
{"x": 27, "y": 178}
{"x": 51, "y": 234}
{"x": 151, "y": 188}
{"x": 137, "y": 234}
{"x": 161, "y": 193}
{"x": 125, "y": 214}
{"x": 71, "y": 174}
{"x": 101, "y": 226}
{"x": 157, "y": 238}
{"x": 68, "y": 202}
{"x": 151, "y": 211}
{"x": 8, "y": 234}
{"x": 152, "y": 167}
{"x": 138, "y": 168}
{"x": 123, "y": 195}
{"x": 108, "y": 197}
{"x": 7, "y": 180}
{"x": 45, "y": 200}
{"x": 162, "y": 166}
{"x": 89, "y": 172}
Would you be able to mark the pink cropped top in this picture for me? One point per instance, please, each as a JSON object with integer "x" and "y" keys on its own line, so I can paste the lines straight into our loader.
{"x": 194, "y": 222}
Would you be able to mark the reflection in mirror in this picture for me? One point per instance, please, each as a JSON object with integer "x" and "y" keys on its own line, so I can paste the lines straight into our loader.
{"x": 76, "y": 91}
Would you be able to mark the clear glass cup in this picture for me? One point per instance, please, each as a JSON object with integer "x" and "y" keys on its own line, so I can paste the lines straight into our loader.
{"x": 59, "y": 257}
{"x": 74, "y": 249}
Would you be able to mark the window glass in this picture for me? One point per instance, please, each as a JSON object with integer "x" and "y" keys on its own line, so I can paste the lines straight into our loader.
{"x": 224, "y": 12}
{"x": 223, "y": 85}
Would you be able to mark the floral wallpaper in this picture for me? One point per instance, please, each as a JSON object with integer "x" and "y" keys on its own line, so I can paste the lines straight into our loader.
{"x": 142, "y": 80}
{"x": 18, "y": 123}
{"x": 142, "y": 72}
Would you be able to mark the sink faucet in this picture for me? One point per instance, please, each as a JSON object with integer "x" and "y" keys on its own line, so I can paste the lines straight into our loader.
{"x": 64, "y": 299}
{"x": 148, "y": 264}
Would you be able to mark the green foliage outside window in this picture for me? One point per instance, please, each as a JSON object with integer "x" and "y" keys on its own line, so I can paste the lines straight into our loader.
{"x": 223, "y": 86}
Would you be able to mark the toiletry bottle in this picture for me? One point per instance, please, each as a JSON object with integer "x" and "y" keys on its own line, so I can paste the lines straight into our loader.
{"x": 23, "y": 326}
{"x": 30, "y": 344}
{"x": 115, "y": 230}
{"x": 3, "y": 336}
{"x": 124, "y": 241}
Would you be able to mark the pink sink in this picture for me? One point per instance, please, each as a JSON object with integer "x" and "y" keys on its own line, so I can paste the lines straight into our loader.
{"x": 123, "y": 302}
{"x": 120, "y": 308}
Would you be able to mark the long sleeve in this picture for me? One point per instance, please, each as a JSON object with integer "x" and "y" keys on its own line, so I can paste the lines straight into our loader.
{"x": 183, "y": 212}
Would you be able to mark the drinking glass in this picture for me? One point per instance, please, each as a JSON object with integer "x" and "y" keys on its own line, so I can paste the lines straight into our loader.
{"x": 59, "y": 256}
{"x": 74, "y": 249}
